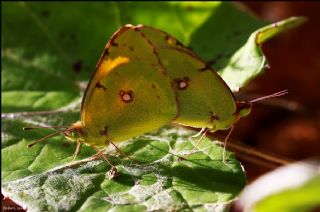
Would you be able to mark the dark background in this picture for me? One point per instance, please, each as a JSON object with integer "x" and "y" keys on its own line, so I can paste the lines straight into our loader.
{"x": 287, "y": 126}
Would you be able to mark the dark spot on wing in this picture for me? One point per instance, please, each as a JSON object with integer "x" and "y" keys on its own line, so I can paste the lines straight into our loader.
{"x": 153, "y": 86}
{"x": 114, "y": 44}
{"x": 206, "y": 67}
{"x": 104, "y": 132}
{"x": 172, "y": 41}
{"x": 213, "y": 117}
{"x": 77, "y": 66}
{"x": 131, "y": 48}
{"x": 99, "y": 85}
{"x": 126, "y": 96}
{"x": 106, "y": 52}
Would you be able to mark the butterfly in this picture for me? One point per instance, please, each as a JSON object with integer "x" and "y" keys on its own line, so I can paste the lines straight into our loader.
{"x": 146, "y": 79}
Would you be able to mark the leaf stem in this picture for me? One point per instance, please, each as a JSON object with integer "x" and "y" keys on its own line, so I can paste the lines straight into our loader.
{"x": 254, "y": 155}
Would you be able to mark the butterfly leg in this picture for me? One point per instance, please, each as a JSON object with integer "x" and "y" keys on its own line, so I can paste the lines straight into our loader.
{"x": 200, "y": 139}
{"x": 121, "y": 152}
{"x": 100, "y": 154}
{"x": 77, "y": 151}
{"x": 199, "y": 133}
{"x": 225, "y": 144}
{"x": 202, "y": 133}
{"x": 113, "y": 171}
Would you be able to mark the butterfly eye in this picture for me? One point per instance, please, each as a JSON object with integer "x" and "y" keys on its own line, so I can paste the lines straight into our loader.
{"x": 71, "y": 134}
{"x": 126, "y": 96}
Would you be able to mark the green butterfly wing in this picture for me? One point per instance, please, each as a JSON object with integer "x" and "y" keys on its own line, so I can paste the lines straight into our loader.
{"x": 129, "y": 94}
{"x": 204, "y": 98}
{"x": 146, "y": 79}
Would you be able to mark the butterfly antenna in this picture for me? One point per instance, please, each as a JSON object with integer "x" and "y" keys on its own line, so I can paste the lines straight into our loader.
{"x": 45, "y": 138}
{"x": 42, "y": 127}
{"x": 280, "y": 93}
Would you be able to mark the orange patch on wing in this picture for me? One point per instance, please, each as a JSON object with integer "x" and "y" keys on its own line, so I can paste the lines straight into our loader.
{"x": 104, "y": 68}
{"x": 109, "y": 64}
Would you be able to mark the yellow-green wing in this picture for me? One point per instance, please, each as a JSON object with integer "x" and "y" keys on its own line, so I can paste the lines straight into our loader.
{"x": 204, "y": 98}
{"x": 129, "y": 93}
{"x": 124, "y": 44}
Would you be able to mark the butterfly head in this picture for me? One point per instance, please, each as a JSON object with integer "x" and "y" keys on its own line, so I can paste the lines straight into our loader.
{"x": 243, "y": 108}
{"x": 74, "y": 132}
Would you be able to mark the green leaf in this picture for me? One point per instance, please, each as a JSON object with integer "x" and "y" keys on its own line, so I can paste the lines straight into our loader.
{"x": 249, "y": 61}
{"x": 42, "y": 178}
{"x": 302, "y": 198}
{"x": 295, "y": 187}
